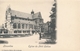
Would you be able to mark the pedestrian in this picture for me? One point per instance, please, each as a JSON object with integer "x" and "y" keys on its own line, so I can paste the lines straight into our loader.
{"x": 39, "y": 35}
{"x": 32, "y": 32}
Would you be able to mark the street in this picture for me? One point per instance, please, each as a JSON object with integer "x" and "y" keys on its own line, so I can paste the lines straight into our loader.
{"x": 26, "y": 40}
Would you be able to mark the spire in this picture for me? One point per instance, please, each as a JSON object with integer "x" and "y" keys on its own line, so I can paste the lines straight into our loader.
{"x": 32, "y": 12}
{"x": 8, "y": 8}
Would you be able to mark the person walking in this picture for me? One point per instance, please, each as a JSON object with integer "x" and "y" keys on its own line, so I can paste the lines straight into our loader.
{"x": 39, "y": 35}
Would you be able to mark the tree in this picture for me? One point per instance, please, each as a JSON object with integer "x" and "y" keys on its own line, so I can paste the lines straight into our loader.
{"x": 53, "y": 16}
{"x": 53, "y": 21}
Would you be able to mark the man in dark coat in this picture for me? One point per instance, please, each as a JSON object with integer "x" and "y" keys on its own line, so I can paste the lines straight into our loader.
{"x": 39, "y": 35}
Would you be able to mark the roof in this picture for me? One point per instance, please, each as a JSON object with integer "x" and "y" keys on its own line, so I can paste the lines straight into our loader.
{"x": 24, "y": 15}
{"x": 21, "y": 14}
{"x": 37, "y": 15}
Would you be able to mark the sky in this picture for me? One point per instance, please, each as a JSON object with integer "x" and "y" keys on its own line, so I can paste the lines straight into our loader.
{"x": 43, "y": 6}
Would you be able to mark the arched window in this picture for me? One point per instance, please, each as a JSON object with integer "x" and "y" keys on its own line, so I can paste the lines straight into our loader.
{"x": 5, "y": 31}
{"x": 30, "y": 26}
{"x": 19, "y": 26}
{"x": 19, "y": 31}
{"x": 23, "y": 26}
{"x": 0, "y": 30}
{"x": 15, "y": 31}
{"x": 24, "y": 31}
{"x": 14, "y": 26}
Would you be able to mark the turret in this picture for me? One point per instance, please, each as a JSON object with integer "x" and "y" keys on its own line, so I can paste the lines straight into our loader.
{"x": 32, "y": 12}
{"x": 8, "y": 11}
{"x": 8, "y": 14}
{"x": 8, "y": 19}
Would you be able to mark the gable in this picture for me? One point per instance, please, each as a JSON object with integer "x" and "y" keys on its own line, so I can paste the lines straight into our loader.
{"x": 37, "y": 15}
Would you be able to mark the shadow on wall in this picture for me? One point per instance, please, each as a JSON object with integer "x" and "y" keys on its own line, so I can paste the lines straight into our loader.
{"x": 3, "y": 42}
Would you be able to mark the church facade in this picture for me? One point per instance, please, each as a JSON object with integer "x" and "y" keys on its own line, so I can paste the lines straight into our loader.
{"x": 20, "y": 22}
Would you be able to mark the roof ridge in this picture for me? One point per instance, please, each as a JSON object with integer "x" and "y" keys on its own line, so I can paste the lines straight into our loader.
{"x": 20, "y": 12}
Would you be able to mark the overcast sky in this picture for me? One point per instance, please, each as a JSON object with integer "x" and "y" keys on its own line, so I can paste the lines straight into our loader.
{"x": 43, "y": 6}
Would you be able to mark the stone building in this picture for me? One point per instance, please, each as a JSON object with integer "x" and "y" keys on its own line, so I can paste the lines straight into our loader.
{"x": 20, "y": 22}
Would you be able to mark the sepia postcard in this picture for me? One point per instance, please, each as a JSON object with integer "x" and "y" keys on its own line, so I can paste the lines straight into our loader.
{"x": 39, "y": 25}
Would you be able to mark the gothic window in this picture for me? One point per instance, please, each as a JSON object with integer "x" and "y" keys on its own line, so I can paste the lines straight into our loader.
{"x": 0, "y": 31}
{"x": 24, "y": 31}
{"x": 5, "y": 31}
{"x": 23, "y": 26}
{"x": 19, "y": 26}
{"x": 19, "y": 31}
{"x": 15, "y": 31}
{"x": 30, "y": 26}
{"x": 14, "y": 26}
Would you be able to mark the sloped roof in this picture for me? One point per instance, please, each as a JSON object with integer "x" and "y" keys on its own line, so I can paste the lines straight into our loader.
{"x": 24, "y": 15}
{"x": 21, "y": 14}
{"x": 37, "y": 15}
